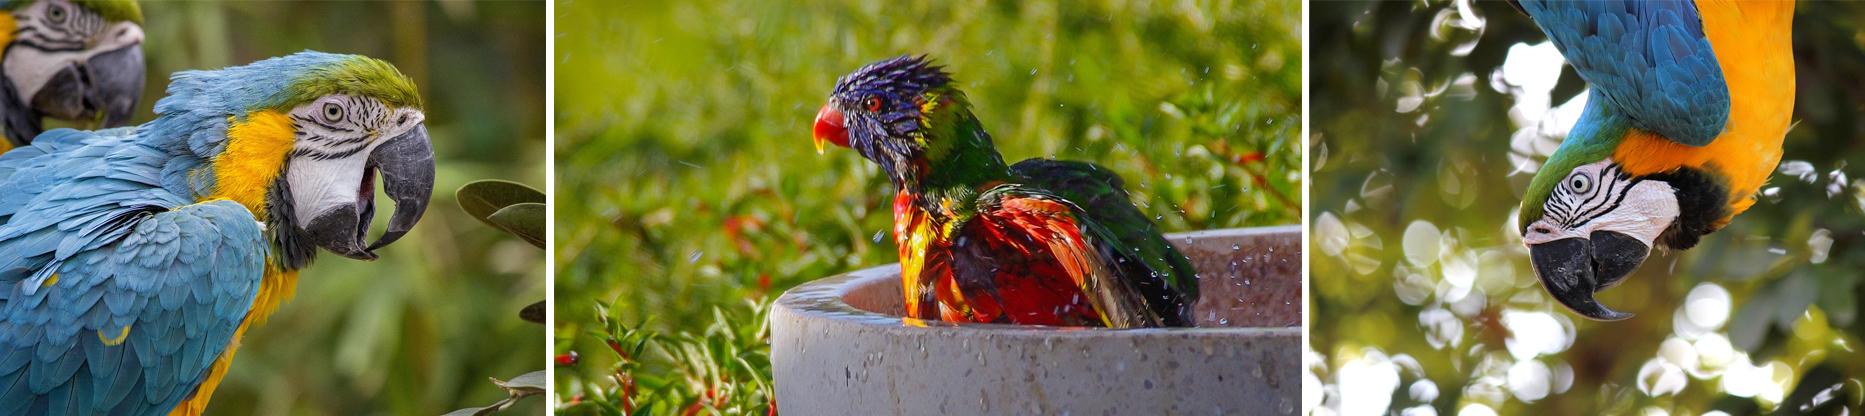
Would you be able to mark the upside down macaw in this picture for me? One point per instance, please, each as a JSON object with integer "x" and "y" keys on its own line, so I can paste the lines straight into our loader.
{"x": 1041, "y": 242}
{"x": 72, "y": 60}
{"x": 1683, "y": 124}
{"x": 132, "y": 259}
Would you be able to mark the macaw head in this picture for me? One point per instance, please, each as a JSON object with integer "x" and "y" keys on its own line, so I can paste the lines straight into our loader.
{"x": 305, "y": 137}
{"x": 904, "y": 114}
{"x": 73, "y": 60}
{"x": 1588, "y": 223}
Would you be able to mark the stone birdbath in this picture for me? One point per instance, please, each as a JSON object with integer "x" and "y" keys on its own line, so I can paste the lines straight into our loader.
{"x": 841, "y": 347}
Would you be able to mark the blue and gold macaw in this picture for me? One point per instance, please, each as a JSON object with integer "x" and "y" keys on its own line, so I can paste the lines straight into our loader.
{"x": 132, "y": 259}
{"x": 1683, "y": 123}
{"x": 72, "y": 60}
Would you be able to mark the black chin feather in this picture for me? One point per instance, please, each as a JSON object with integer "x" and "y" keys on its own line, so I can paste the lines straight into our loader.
{"x": 1702, "y": 206}
{"x": 291, "y": 250}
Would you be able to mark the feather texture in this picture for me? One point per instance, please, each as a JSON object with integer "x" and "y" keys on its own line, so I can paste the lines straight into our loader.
{"x": 1650, "y": 60}
{"x": 119, "y": 294}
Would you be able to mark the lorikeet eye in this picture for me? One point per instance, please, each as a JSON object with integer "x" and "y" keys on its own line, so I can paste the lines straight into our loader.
{"x": 874, "y": 104}
{"x": 55, "y": 13}
{"x": 332, "y": 112}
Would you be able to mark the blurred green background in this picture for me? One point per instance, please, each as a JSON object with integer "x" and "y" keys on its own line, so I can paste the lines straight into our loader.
{"x": 418, "y": 331}
{"x": 1422, "y": 295}
{"x": 689, "y": 191}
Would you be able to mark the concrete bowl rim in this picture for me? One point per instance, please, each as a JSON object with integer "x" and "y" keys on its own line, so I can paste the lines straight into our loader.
{"x": 822, "y": 299}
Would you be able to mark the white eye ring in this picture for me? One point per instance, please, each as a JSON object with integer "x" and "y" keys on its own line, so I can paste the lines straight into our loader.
{"x": 332, "y": 112}
{"x": 1580, "y": 183}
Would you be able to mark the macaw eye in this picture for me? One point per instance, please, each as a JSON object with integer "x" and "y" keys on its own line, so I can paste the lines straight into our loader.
{"x": 874, "y": 104}
{"x": 1580, "y": 183}
{"x": 332, "y": 112}
{"x": 55, "y": 13}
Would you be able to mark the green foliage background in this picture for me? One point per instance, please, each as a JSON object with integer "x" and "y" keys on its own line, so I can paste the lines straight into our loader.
{"x": 687, "y": 182}
{"x": 1447, "y": 163}
{"x": 418, "y": 331}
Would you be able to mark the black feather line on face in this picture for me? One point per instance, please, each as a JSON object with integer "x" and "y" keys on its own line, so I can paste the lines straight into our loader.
{"x": 889, "y": 133}
{"x": 1702, "y": 203}
{"x": 290, "y": 249}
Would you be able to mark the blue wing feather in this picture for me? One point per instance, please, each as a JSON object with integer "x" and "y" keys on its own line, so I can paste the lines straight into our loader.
{"x": 1649, "y": 60}
{"x": 90, "y": 210}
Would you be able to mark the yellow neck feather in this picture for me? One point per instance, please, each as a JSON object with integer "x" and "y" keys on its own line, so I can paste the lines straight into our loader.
{"x": 244, "y": 173}
{"x": 255, "y": 156}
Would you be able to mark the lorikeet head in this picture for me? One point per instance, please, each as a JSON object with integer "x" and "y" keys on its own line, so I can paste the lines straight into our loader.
{"x": 904, "y": 114}
{"x": 73, "y": 60}
{"x": 305, "y": 137}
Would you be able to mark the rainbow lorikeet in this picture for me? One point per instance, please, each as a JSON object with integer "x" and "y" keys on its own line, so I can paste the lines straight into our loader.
{"x": 1688, "y": 105}
{"x": 1041, "y": 242}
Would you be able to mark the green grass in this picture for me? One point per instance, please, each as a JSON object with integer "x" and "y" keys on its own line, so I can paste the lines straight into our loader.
{"x": 689, "y": 193}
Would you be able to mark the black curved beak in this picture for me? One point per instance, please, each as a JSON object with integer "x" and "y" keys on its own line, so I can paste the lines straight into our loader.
{"x": 1573, "y": 269}
{"x": 104, "y": 89}
{"x": 119, "y": 80}
{"x": 406, "y": 164}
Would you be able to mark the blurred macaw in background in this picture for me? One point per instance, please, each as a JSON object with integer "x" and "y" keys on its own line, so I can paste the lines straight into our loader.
{"x": 72, "y": 60}
{"x": 132, "y": 259}
{"x": 1041, "y": 242}
{"x": 1683, "y": 123}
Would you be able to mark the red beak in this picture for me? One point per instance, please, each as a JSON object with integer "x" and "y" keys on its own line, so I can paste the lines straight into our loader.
{"x": 829, "y": 128}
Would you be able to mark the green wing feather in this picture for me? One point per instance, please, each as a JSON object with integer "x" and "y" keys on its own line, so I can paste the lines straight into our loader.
{"x": 1136, "y": 242}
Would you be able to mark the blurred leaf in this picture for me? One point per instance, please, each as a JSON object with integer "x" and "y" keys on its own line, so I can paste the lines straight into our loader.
{"x": 525, "y": 220}
{"x": 533, "y": 312}
{"x": 1796, "y": 292}
{"x": 483, "y": 198}
{"x": 1752, "y": 320}
{"x": 1838, "y": 289}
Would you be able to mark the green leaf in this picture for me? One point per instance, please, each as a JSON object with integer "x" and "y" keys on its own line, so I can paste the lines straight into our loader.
{"x": 470, "y": 411}
{"x": 524, "y": 385}
{"x": 525, "y": 220}
{"x": 483, "y": 198}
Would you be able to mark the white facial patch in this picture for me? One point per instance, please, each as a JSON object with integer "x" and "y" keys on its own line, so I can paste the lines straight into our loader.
{"x": 336, "y": 134}
{"x": 1599, "y": 196}
{"x": 53, "y": 35}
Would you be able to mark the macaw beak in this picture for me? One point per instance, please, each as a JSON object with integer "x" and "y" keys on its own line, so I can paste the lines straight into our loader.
{"x": 829, "y": 128}
{"x": 406, "y": 164}
{"x": 119, "y": 80}
{"x": 1573, "y": 269}
{"x": 104, "y": 88}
